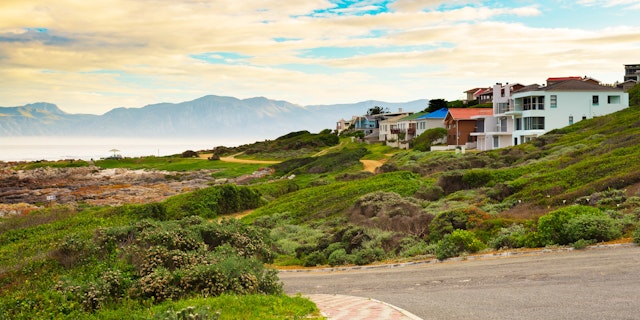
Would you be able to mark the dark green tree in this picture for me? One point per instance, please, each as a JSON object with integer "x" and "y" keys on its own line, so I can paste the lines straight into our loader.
{"x": 436, "y": 104}
{"x": 377, "y": 110}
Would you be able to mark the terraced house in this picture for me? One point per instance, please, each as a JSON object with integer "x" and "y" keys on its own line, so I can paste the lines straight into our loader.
{"x": 523, "y": 114}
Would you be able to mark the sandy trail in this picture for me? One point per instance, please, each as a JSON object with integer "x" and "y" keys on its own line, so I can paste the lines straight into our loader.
{"x": 232, "y": 158}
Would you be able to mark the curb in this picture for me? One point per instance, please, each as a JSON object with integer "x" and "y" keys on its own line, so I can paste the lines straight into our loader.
{"x": 465, "y": 258}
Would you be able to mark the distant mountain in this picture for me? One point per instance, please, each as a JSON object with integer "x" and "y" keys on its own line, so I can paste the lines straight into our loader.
{"x": 210, "y": 116}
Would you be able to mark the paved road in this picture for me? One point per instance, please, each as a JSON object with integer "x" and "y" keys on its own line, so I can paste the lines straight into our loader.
{"x": 601, "y": 283}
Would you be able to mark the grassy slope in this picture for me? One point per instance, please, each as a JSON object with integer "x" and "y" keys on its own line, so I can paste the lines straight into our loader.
{"x": 560, "y": 167}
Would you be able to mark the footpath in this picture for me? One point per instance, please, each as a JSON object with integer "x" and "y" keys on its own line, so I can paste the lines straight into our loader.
{"x": 341, "y": 307}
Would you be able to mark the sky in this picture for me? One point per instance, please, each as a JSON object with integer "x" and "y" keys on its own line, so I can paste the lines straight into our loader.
{"x": 92, "y": 56}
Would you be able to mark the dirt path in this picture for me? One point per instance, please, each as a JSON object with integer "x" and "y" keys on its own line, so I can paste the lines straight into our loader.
{"x": 232, "y": 158}
{"x": 325, "y": 151}
{"x": 237, "y": 215}
{"x": 372, "y": 165}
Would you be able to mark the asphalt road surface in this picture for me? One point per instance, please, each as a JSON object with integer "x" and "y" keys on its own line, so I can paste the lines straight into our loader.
{"x": 601, "y": 283}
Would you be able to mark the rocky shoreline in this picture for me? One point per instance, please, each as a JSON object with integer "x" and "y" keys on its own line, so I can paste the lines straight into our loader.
{"x": 22, "y": 191}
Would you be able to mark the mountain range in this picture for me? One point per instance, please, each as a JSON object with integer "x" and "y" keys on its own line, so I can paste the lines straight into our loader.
{"x": 209, "y": 116}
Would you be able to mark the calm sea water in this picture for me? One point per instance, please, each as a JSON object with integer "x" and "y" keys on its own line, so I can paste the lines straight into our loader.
{"x": 51, "y": 148}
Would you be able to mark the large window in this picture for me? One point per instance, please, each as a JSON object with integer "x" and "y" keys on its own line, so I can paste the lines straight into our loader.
{"x": 554, "y": 101}
{"x": 533, "y": 103}
{"x": 595, "y": 100}
{"x": 518, "y": 123}
{"x": 570, "y": 120}
{"x": 496, "y": 142}
{"x": 534, "y": 123}
{"x": 613, "y": 99}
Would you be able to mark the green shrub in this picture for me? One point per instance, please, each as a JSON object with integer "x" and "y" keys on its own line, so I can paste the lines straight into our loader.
{"x": 636, "y": 235}
{"x": 211, "y": 202}
{"x": 598, "y": 228}
{"x": 552, "y": 227}
{"x": 511, "y": 237}
{"x": 339, "y": 257}
{"x": 367, "y": 255}
{"x": 315, "y": 258}
{"x": 456, "y": 243}
{"x": 162, "y": 260}
{"x": 465, "y": 219}
{"x": 429, "y": 192}
{"x": 73, "y": 250}
{"x": 476, "y": 178}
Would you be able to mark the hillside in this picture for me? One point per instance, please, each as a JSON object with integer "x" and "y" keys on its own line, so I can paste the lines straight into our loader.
{"x": 572, "y": 187}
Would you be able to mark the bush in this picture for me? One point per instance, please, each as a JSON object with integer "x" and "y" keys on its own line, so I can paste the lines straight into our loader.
{"x": 592, "y": 227}
{"x": 476, "y": 178}
{"x": 339, "y": 257}
{"x": 511, "y": 237}
{"x": 465, "y": 219}
{"x": 552, "y": 227}
{"x": 161, "y": 260}
{"x": 459, "y": 241}
{"x": 429, "y": 192}
{"x": 211, "y": 202}
{"x": 315, "y": 258}
{"x": 636, "y": 235}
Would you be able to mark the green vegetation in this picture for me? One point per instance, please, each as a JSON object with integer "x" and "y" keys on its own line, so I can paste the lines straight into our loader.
{"x": 51, "y": 164}
{"x": 575, "y": 186}
{"x": 292, "y": 145}
{"x": 178, "y": 163}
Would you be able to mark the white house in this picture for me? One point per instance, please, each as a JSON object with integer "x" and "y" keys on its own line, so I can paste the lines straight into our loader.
{"x": 534, "y": 110}
{"x": 390, "y": 131}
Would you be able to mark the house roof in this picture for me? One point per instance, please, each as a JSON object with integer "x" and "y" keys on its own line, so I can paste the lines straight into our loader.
{"x": 474, "y": 90}
{"x": 438, "y": 114}
{"x": 555, "y": 79}
{"x": 467, "y": 113}
{"x": 393, "y": 119}
{"x": 577, "y": 85}
{"x": 413, "y": 116}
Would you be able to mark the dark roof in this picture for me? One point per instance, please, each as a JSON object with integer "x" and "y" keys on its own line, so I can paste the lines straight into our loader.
{"x": 531, "y": 87}
{"x": 577, "y": 85}
{"x": 569, "y": 85}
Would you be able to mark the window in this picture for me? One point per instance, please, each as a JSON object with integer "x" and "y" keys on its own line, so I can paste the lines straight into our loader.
{"x": 570, "y": 120}
{"x": 518, "y": 123}
{"x": 554, "y": 101}
{"x": 534, "y": 123}
{"x": 613, "y": 99}
{"x": 496, "y": 142}
{"x": 595, "y": 100}
{"x": 533, "y": 103}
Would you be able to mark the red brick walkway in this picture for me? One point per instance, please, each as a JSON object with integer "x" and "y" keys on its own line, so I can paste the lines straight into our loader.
{"x": 340, "y": 307}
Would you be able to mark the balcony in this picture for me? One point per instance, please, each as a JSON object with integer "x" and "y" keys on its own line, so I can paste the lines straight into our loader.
{"x": 395, "y": 131}
{"x": 411, "y": 131}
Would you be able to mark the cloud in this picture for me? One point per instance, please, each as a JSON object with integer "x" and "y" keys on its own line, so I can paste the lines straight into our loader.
{"x": 629, "y": 4}
{"x": 91, "y": 56}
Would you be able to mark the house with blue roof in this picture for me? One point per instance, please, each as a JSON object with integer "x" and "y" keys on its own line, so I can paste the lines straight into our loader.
{"x": 431, "y": 120}
{"x": 411, "y": 126}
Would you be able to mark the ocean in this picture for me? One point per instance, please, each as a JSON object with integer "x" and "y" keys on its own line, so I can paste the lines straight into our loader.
{"x": 86, "y": 148}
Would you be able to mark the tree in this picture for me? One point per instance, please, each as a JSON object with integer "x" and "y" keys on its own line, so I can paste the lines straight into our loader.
{"x": 424, "y": 141}
{"x": 436, "y": 104}
{"x": 377, "y": 110}
{"x": 634, "y": 95}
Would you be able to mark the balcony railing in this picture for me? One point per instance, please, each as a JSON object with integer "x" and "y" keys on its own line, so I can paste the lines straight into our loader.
{"x": 395, "y": 131}
{"x": 411, "y": 131}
